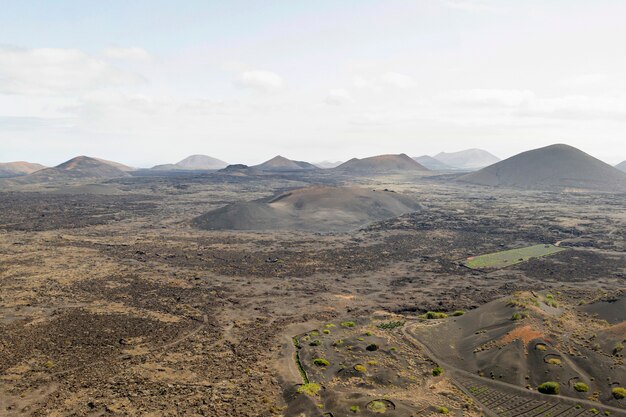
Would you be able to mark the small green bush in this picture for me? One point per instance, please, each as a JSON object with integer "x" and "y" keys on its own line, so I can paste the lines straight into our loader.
{"x": 348, "y": 324}
{"x": 516, "y": 316}
{"x": 430, "y": 315}
{"x": 550, "y": 387}
{"x": 437, "y": 371}
{"x": 338, "y": 342}
{"x": 315, "y": 343}
{"x": 355, "y": 409}
{"x": 321, "y": 362}
{"x": 377, "y": 407}
{"x": 443, "y": 410}
{"x": 309, "y": 389}
{"x": 581, "y": 387}
{"x": 360, "y": 368}
{"x": 618, "y": 348}
{"x": 619, "y": 393}
{"x": 326, "y": 331}
{"x": 458, "y": 313}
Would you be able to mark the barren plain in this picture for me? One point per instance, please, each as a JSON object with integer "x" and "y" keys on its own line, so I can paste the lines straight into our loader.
{"x": 112, "y": 302}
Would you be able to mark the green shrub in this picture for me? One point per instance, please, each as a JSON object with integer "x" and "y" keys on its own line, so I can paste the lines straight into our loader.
{"x": 437, "y": 371}
{"x": 377, "y": 407}
{"x": 360, "y": 368}
{"x": 618, "y": 348}
{"x": 458, "y": 313}
{"x": 321, "y": 362}
{"x": 338, "y": 342}
{"x": 315, "y": 343}
{"x": 348, "y": 324}
{"x": 581, "y": 387}
{"x": 355, "y": 409}
{"x": 314, "y": 333}
{"x": 550, "y": 387}
{"x": 309, "y": 389}
{"x": 389, "y": 325}
{"x": 326, "y": 331}
{"x": 430, "y": 315}
{"x": 517, "y": 316}
{"x": 443, "y": 410}
{"x": 368, "y": 333}
{"x": 619, "y": 393}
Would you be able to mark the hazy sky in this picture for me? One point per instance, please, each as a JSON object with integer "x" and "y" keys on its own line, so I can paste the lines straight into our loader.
{"x": 147, "y": 82}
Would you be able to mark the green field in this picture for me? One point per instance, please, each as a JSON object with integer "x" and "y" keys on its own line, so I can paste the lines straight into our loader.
{"x": 510, "y": 257}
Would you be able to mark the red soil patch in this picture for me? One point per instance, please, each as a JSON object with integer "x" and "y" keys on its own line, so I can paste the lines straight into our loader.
{"x": 523, "y": 333}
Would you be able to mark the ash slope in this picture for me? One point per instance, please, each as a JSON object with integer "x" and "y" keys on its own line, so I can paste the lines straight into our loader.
{"x": 318, "y": 208}
{"x": 381, "y": 163}
{"x": 553, "y": 167}
{"x": 621, "y": 166}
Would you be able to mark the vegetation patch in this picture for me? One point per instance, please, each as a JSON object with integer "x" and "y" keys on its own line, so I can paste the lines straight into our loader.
{"x": 581, "y": 387}
{"x": 431, "y": 315}
{"x": 511, "y": 256}
{"x": 348, "y": 324}
{"x": 390, "y": 325}
{"x": 443, "y": 410}
{"x": 321, "y": 362}
{"x": 619, "y": 393}
{"x": 550, "y": 387}
{"x": 360, "y": 368}
{"x": 437, "y": 371}
{"x": 380, "y": 406}
{"x": 310, "y": 388}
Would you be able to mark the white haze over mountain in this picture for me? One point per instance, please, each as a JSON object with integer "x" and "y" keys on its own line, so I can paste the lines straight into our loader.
{"x": 243, "y": 81}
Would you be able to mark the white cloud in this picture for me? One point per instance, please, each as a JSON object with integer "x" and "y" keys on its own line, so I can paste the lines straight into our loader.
{"x": 264, "y": 81}
{"x": 54, "y": 71}
{"x": 128, "y": 54}
{"x": 396, "y": 79}
{"x": 338, "y": 97}
{"x": 585, "y": 80}
{"x": 468, "y": 5}
{"x": 488, "y": 97}
{"x": 365, "y": 83}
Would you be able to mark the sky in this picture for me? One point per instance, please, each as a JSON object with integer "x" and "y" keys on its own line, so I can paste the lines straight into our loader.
{"x": 152, "y": 81}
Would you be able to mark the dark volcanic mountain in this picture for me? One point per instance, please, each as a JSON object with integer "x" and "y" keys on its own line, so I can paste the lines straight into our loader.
{"x": 317, "y": 208}
{"x": 81, "y": 167}
{"x": 552, "y": 167}
{"x": 280, "y": 163}
{"x": 432, "y": 163}
{"x": 621, "y": 166}
{"x": 18, "y": 168}
{"x": 381, "y": 163}
{"x": 117, "y": 165}
{"x": 469, "y": 159}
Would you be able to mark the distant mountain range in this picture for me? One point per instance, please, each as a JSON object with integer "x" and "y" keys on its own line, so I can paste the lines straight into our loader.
{"x": 18, "y": 168}
{"x": 469, "y": 159}
{"x": 280, "y": 163}
{"x": 381, "y": 163}
{"x": 78, "y": 168}
{"x": 432, "y": 163}
{"x": 194, "y": 163}
{"x": 621, "y": 166}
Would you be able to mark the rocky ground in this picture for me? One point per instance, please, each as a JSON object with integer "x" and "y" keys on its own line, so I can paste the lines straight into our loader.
{"x": 114, "y": 304}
